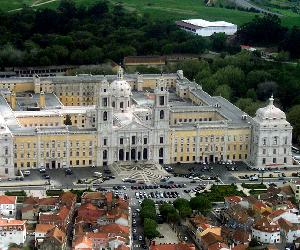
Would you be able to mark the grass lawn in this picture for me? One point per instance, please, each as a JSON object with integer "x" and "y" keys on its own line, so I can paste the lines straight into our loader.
{"x": 254, "y": 186}
{"x": 218, "y": 192}
{"x": 167, "y": 10}
{"x": 257, "y": 192}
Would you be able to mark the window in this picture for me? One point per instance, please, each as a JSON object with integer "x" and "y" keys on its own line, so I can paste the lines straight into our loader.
{"x": 145, "y": 140}
{"x": 104, "y": 102}
{"x": 161, "y": 114}
{"x": 121, "y": 105}
{"x": 275, "y": 140}
{"x": 104, "y": 116}
{"x": 161, "y": 152}
{"x": 274, "y": 151}
{"x": 104, "y": 154}
{"x": 264, "y": 141}
{"x": 161, "y": 100}
{"x": 264, "y": 151}
{"x": 105, "y": 142}
{"x": 161, "y": 139}
{"x": 284, "y": 160}
{"x": 133, "y": 139}
{"x": 264, "y": 161}
{"x": 274, "y": 160}
{"x": 121, "y": 141}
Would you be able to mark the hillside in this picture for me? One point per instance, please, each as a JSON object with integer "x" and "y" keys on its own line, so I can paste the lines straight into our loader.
{"x": 173, "y": 9}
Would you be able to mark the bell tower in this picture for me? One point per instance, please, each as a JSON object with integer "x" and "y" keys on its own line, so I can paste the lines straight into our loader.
{"x": 161, "y": 105}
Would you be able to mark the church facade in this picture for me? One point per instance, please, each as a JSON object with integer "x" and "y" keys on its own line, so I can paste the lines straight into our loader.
{"x": 85, "y": 120}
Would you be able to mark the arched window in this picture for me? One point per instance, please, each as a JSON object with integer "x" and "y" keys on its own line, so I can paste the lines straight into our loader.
{"x": 161, "y": 152}
{"x": 161, "y": 114}
{"x": 104, "y": 154}
{"x": 104, "y": 116}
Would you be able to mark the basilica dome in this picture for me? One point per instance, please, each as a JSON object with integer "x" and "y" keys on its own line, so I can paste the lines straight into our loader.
{"x": 270, "y": 112}
{"x": 120, "y": 88}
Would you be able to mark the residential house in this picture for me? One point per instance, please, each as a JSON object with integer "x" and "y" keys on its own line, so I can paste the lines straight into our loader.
{"x": 82, "y": 243}
{"x": 89, "y": 212}
{"x": 266, "y": 231}
{"x": 55, "y": 239}
{"x": 12, "y": 231}
{"x": 8, "y": 206}
{"x": 236, "y": 216}
{"x": 40, "y": 232}
{"x": 61, "y": 218}
{"x": 96, "y": 198}
{"x": 180, "y": 245}
{"x": 290, "y": 231}
{"x": 29, "y": 213}
{"x": 241, "y": 237}
{"x": 232, "y": 200}
{"x": 68, "y": 199}
{"x": 218, "y": 246}
{"x": 99, "y": 239}
{"x": 48, "y": 204}
{"x": 209, "y": 239}
{"x": 285, "y": 214}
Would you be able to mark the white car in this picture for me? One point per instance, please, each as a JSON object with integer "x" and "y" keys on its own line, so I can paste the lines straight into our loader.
{"x": 196, "y": 178}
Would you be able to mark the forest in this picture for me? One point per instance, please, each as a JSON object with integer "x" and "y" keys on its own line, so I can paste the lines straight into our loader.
{"x": 92, "y": 34}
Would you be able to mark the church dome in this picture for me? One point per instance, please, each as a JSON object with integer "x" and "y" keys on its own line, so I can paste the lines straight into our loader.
{"x": 270, "y": 112}
{"x": 119, "y": 87}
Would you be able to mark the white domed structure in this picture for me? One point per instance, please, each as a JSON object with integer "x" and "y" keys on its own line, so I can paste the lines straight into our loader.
{"x": 270, "y": 112}
{"x": 271, "y": 137}
{"x": 120, "y": 88}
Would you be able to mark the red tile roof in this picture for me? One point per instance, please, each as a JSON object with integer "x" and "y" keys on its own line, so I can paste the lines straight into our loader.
{"x": 43, "y": 228}
{"x": 49, "y": 201}
{"x": 217, "y": 246}
{"x": 68, "y": 199}
{"x": 4, "y": 199}
{"x": 234, "y": 199}
{"x": 179, "y": 246}
{"x": 109, "y": 197}
{"x": 115, "y": 228}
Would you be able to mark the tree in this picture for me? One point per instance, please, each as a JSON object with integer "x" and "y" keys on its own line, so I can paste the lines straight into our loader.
{"x": 254, "y": 242}
{"x": 165, "y": 209}
{"x": 201, "y": 204}
{"x": 148, "y": 203}
{"x": 150, "y": 231}
{"x": 223, "y": 90}
{"x": 248, "y": 105}
{"x": 266, "y": 89}
{"x": 173, "y": 216}
{"x": 218, "y": 41}
{"x": 185, "y": 211}
{"x": 68, "y": 120}
{"x": 293, "y": 116}
{"x": 181, "y": 202}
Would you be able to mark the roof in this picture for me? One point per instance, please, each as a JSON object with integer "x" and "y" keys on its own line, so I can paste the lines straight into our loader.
{"x": 49, "y": 201}
{"x": 97, "y": 235}
{"x": 144, "y": 60}
{"x": 218, "y": 246}
{"x": 56, "y": 233}
{"x": 264, "y": 225}
{"x": 27, "y": 208}
{"x": 115, "y": 228}
{"x": 11, "y": 222}
{"x": 240, "y": 247}
{"x": 122, "y": 247}
{"x": 277, "y": 213}
{"x": 92, "y": 195}
{"x": 31, "y": 200}
{"x": 68, "y": 199}
{"x": 83, "y": 242}
{"x": 211, "y": 238}
{"x": 43, "y": 228}
{"x": 109, "y": 197}
{"x": 201, "y": 23}
{"x": 5, "y": 199}
{"x": 241, "y": 236}
{"x": 235, "y": 199}
{"x": 179, "y": 246}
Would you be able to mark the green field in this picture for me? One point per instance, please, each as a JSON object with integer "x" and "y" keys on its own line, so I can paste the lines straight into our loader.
{"x": 167, "y": 9}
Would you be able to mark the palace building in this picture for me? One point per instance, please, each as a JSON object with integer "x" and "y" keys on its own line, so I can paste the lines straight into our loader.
{"x": 132, "y": 117}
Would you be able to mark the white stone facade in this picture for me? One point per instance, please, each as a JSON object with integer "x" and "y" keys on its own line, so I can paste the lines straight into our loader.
{"x": 11, "y": 231}
{"x": 271, "y": 137}
{"x": 266, "y": 237}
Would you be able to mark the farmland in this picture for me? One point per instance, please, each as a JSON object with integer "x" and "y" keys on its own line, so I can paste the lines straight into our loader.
{"x": 165, "y": 9}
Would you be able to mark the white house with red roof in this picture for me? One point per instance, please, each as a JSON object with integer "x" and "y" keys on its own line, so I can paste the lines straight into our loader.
{"x": 266, "y": 231}
{"x": 12, "y": 231}
{"x": 8, "y": 206}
